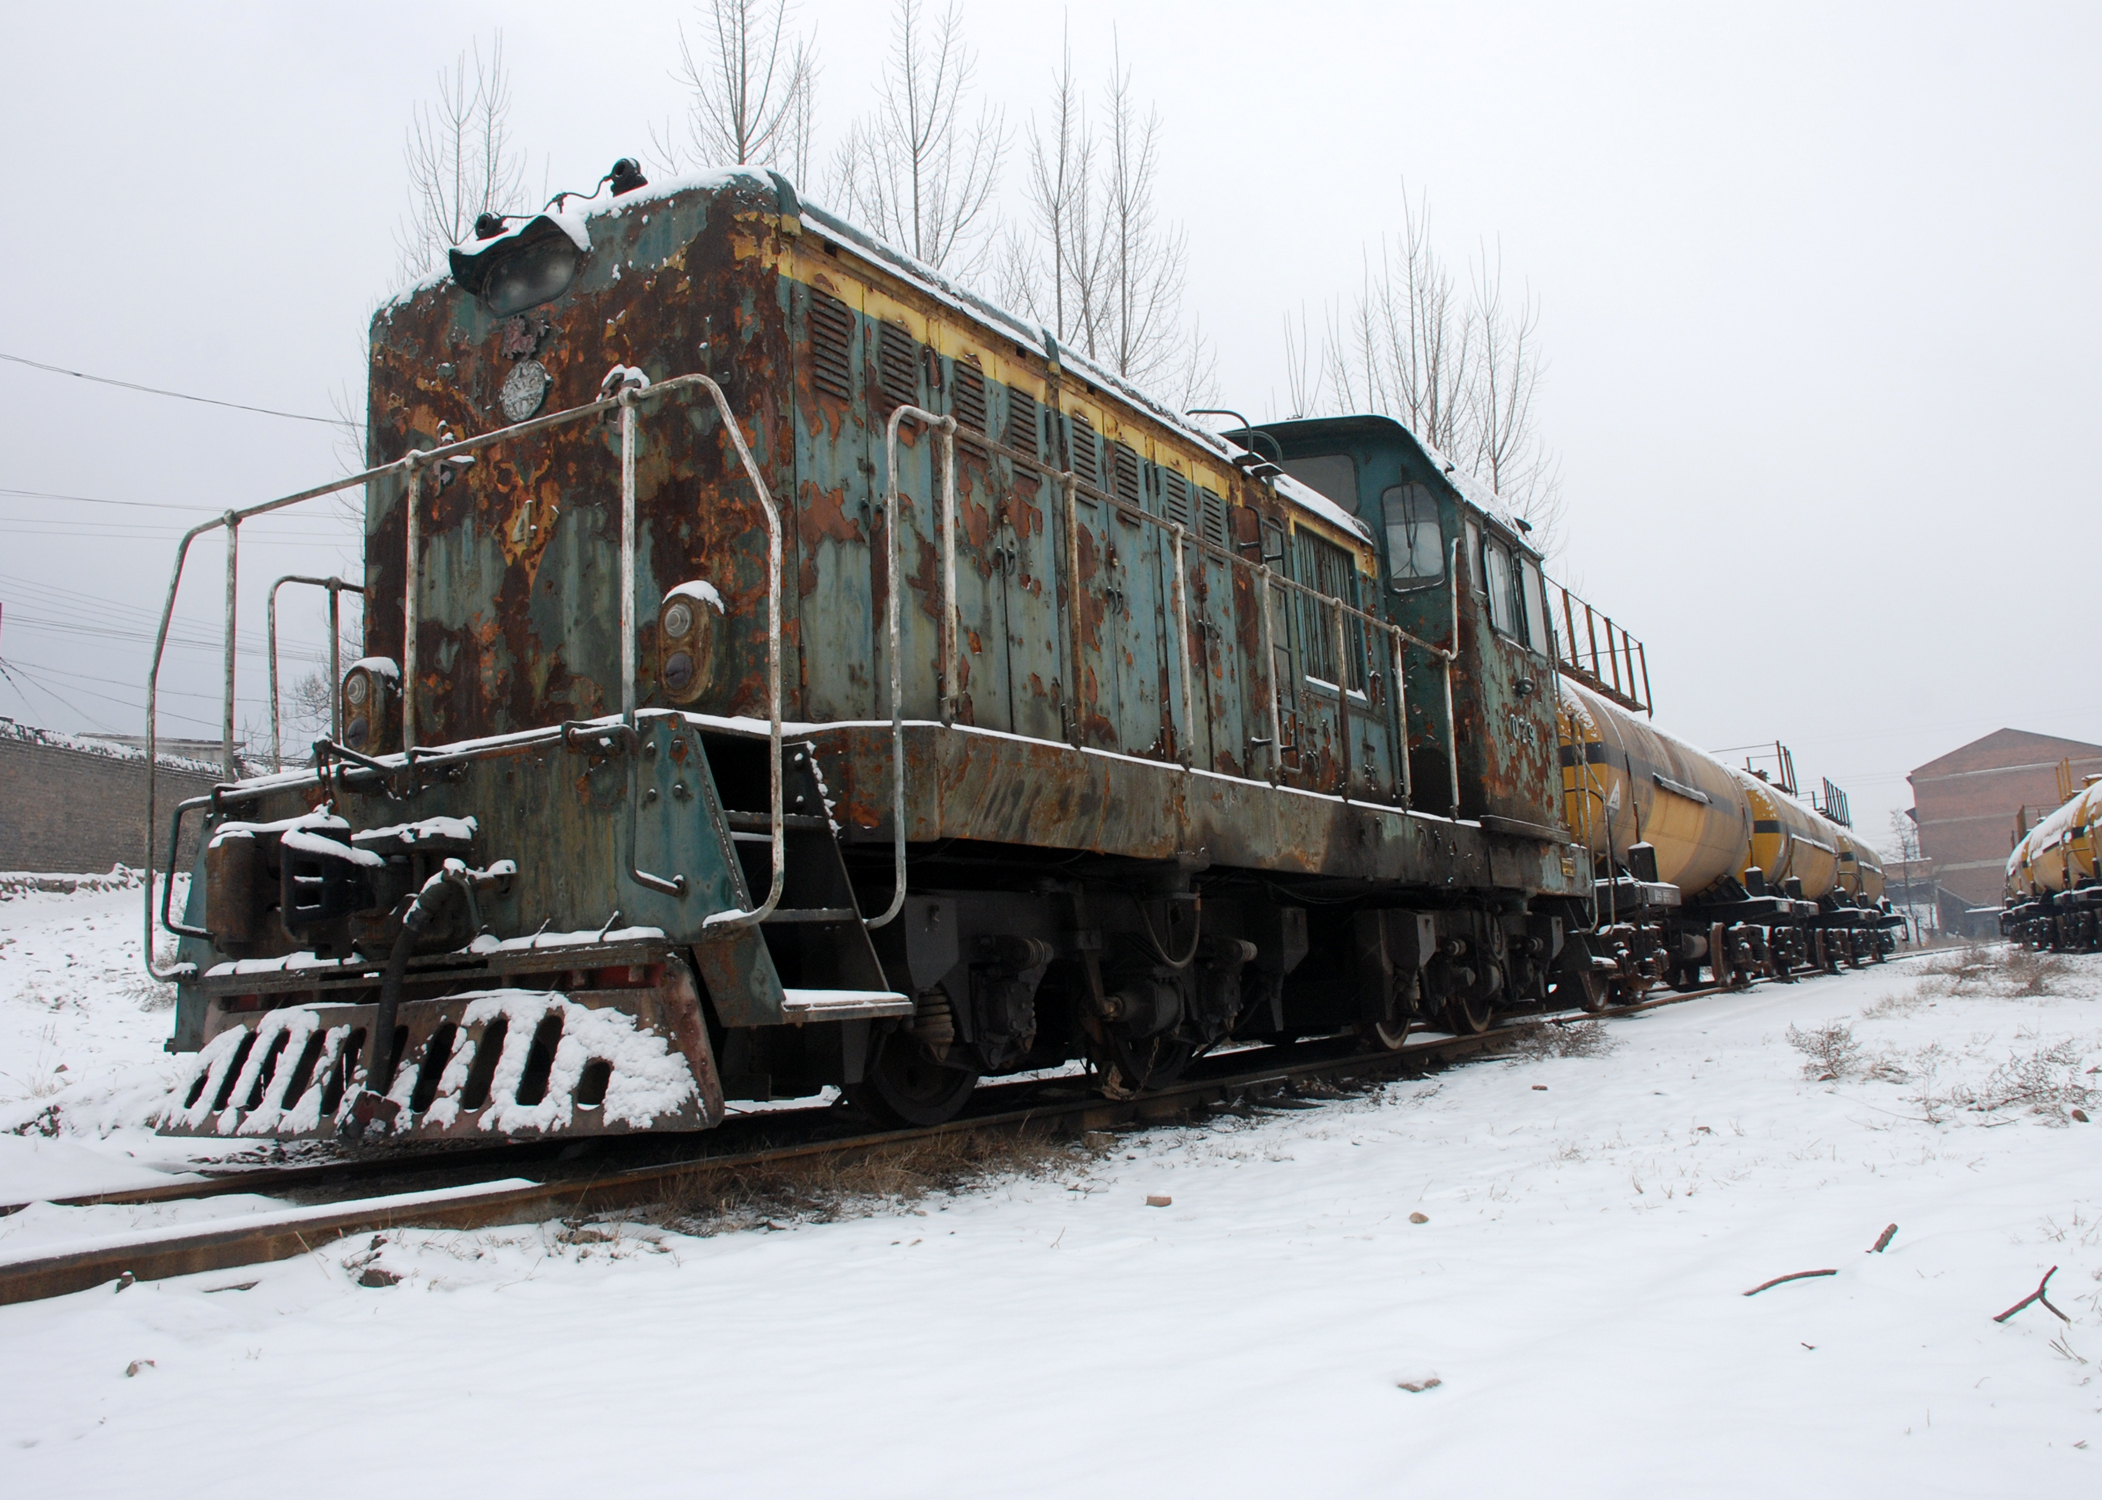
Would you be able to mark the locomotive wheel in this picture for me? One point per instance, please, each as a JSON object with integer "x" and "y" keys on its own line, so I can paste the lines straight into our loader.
{"x": 1465, "y": 1017}
{"x": 1585, "y": 989}
{"x": 903, "y": 1086}
{"x": 1151, "y": 1064}
{"x": 1384, "y": 1036}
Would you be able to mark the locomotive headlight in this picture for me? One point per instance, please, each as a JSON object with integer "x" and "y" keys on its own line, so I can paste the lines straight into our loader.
{"x": 523, "y": 267}
{"x": 686, "y": 640}
{"x": 369, "y": 691}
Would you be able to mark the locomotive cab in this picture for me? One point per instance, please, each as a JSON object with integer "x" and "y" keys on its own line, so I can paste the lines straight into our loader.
{"x": 1428, "y": 519}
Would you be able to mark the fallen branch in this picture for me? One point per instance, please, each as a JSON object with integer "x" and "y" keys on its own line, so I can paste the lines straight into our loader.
{"x": 1791, "y": 1276}
{"x": 1883, "y": 1239}
{"x": 2035, "y": 1296}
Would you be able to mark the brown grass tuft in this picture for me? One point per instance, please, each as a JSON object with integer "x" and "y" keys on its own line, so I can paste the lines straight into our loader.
{"x": 823, "y": 1188}
{"x": 1540, "y": 1039}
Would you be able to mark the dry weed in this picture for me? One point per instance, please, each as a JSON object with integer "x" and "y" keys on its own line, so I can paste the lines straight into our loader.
{"x": 2048, "y": 1081}
{"x": 1830, "y": 1048}
{"x": 1999, "y": 970}
{"x": 824, "y": 1188}
{"x": 1540, "y": 1040}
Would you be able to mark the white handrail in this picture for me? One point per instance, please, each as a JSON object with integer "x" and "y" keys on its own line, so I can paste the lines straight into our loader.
{"x": 946, "y": 426}
{"x": 412, "y": 464}
{"x": 335, "y": 587}
{"x": 736, "y": 919}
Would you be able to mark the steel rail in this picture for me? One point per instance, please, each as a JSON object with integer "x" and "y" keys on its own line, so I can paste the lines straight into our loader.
{"x": 224, "y": 1244}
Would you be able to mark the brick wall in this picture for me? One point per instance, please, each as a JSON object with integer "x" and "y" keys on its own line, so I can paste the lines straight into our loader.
{"x": 74, "y": 806}
{"x": 1967, "y": 800}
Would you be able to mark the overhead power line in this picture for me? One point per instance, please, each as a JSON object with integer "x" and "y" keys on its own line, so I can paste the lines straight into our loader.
{"x": 98, "y": 500}
{"x": 154, "y": 390}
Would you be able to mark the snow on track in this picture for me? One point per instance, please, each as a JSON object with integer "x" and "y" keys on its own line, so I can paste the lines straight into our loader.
{"x": 1591, "y": 1225}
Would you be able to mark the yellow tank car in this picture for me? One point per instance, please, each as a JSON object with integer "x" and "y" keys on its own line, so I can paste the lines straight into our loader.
{"x": 1860, "y": 871}
{"x": 1624, "y": 781}
{"x": 2020, "y": 887}
{"x": 2059, "y": 852}
{"x": 2054, "y": 899}
{"x": 1789, "y": 840}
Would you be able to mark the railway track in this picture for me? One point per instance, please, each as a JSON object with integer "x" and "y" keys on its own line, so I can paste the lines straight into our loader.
{"x": 581, "y": 1185}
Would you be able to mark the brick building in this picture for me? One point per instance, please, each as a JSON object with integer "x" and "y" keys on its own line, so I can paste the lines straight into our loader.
{"x": 1967, "y": 802}
{"x": 78, "y": 806}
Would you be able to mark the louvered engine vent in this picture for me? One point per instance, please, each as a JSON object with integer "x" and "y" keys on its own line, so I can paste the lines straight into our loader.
{"x": 1021, "y": 423}
{"x": 1124, "y": 464}
{"x": 1213, "y": 518}
{"x": 1086, "y": 456}
{"x": 967, "y": 405}
{"x": 831, "y": 339}
{"x": 1175, "y": 498}
{"x": 898, "y": 365}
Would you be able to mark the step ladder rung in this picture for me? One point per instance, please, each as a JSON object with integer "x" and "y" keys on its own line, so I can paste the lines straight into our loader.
{"x": 813, "y": 914}
{"x": 843, "y": 1005}
{"x": 765, "y": 821}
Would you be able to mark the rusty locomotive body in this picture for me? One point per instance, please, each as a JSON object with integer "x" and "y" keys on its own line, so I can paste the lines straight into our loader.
{"x": 784, "y": 670}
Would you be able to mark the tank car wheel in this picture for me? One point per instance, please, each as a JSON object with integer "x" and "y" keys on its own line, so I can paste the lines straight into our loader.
{"x": 1686, "y": 980}
{"x": 903, "y": 1086}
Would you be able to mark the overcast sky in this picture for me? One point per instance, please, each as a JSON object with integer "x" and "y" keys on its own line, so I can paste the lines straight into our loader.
{"x": 1817, "y": 285}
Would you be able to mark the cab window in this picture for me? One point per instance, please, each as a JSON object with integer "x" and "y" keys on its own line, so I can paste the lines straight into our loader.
{"x": 1333, "y": 474}
{"x": 1497, "y": 582}
{"x": 1415, "y": 547}
{"x": 1539, "y": 634}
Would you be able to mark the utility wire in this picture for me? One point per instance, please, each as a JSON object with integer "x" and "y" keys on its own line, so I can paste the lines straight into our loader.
{"x": 153, "y": 390}
{"x": 97, "y": 500}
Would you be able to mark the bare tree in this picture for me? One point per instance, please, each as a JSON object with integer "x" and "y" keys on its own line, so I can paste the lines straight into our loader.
{"x": 751, "y": 84}
{"x": 1147, "y": 260}
{"x": 1462, "y": 372}
{"x": 1303, "y": 378}
{"x": 1092, "y": 258}
{"x": 1405, "y": 345}
{"x": 1052, "y": 264}
{"x": 460, "y": 158}
{"x": 916, "y": 170}
{"x": 1507, "y": 448}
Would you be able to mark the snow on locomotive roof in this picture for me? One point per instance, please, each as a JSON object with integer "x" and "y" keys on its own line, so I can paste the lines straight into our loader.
{"x": 1306, "y": 497}
{"x": 1482, "y": 497}
{"x": 982, "y": 311}
{"x": 576, "y": 224}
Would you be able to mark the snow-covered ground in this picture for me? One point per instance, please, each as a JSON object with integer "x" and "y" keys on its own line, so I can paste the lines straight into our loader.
{"x": 1576, "y": 1288}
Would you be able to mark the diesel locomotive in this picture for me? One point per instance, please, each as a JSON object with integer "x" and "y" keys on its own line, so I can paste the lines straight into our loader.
{"x": 784, "y": 669}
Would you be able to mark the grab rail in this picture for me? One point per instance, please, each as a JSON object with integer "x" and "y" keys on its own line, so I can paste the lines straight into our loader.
{"x": 1396, "y": 637}
{"x": 412, "y": 466}
{"x": 336, "y": 588}
{"x": 736, "y": 919}
{"x": 946, "y": 426}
